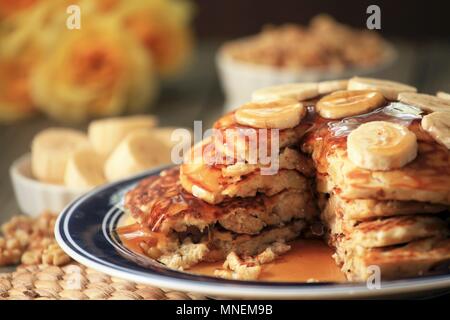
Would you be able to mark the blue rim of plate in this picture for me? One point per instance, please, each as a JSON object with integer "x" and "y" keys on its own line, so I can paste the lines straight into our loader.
{"x": 85, "y": 231}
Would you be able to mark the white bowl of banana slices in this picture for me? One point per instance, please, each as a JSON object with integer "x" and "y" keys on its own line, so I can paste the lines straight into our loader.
{"x": 66, "y": 163}
{"x": 34, "y": 196}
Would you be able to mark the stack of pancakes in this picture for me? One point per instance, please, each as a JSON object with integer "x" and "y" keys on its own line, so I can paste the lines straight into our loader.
{"x": 395, "y": 220}
{"x": 378, "y": 170}
{"x": 204, "y": 210}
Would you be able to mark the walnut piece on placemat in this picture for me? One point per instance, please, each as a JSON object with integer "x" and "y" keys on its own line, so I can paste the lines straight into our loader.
{"x": 31, "y": 241}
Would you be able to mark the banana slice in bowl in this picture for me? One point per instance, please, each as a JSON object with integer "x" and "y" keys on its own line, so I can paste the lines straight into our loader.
{"x": 138, "y": 151}
{"x": 276, "y": 114}
{"x": 106, "y": 134}
{"x": 341, "y": 104}
{"x": 390, "y": 89}
{"x": 381, "y": 145}
{"x": 50, "y": 152}
{"x": 437, "y": 124}
{"x": 84, "y": 169}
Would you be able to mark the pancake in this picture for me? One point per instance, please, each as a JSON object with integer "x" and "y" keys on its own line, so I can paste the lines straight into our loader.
{"x": 417, "y": 258}
{"x": 366, "y": 209}
{"x": 388, "y": 231}
{"x": 229, "y": 130}
{"x": 289, "y": 158}
{"x": 208, "y": 184}
{"x": 425, "y": 179}
{"x": 180, "y": 230}
{"x": 161, "y": 204}
{"x": 218, "y": 244}
{"x": 397, "y": 230}
{"x": 202, "y": 175}
{"x": 341, "y": 214}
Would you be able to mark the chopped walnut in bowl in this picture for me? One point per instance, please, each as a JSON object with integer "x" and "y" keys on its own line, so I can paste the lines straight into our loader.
{"x": 290, "y": 53}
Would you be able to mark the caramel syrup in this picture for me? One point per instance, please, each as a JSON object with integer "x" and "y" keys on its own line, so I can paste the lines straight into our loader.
{"x": 308, "y": 260}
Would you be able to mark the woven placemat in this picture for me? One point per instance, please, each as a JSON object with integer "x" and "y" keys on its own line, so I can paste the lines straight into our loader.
{"x": 76, "y": 282}
{"x": 46, "y": 272}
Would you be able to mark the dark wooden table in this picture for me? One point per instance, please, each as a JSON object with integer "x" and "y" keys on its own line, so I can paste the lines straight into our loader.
{"x": 197, "y": 96}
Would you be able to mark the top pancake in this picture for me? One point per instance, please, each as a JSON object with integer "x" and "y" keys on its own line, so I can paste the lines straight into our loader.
{"x": 239, "y": 134}
{"x": 214, "y": 182}
{"x": 426, "y": 179}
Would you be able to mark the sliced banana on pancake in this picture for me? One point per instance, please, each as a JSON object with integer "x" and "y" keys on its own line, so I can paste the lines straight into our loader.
{"x": 425, "y": 102}
{"x": 199, "y": 176}
{"x": 276, "y": 114}
{"x": 297, "y": 91}
{"x": 341, "y": 104}
{"x": 381, "y": 145}
{"x": 326, "y": 87}
{"x": 437, "y": 124}
{"x": 390, "y": 89}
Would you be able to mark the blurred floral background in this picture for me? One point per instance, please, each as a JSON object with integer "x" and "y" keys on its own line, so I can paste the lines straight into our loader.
{"x": 159, "y": 59}
{"x": 111, "y": 65}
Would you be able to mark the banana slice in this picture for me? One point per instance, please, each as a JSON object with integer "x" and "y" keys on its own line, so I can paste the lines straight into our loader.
{"x": 137, "y": 152}
{"x": 437, "y": 124}
{"x": 341, "y": 104}
{"x": 390, "y": 89}
{"x": 297, "y": 91}
{"x": 106, "y": 134}
{"x": 279, "y": 114}
{"x": 381, "y": 145}
{"x": 326, "y": 87}
{"x": 443, "y": 95}
{"x": 164, "y": 134}
{"x": 199, "y": 178}
{"x": 50, "y": 151}
{"x": 84, "y": 169}
{"x": 425, "y": 102}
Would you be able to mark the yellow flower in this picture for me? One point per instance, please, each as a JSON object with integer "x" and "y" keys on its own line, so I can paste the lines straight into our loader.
{"x": 15, "y": 100}
{"x": 9, "y": 8}
{"x": 95, "y": 71}
{"x": 162, "y": 27}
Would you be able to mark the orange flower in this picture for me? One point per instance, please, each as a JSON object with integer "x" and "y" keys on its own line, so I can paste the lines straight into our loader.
{"x": 162, "y": 27}
{"x": 15, "y": 100}
{"x": 11, "y": 7}
{"x": 95, "y": 71}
